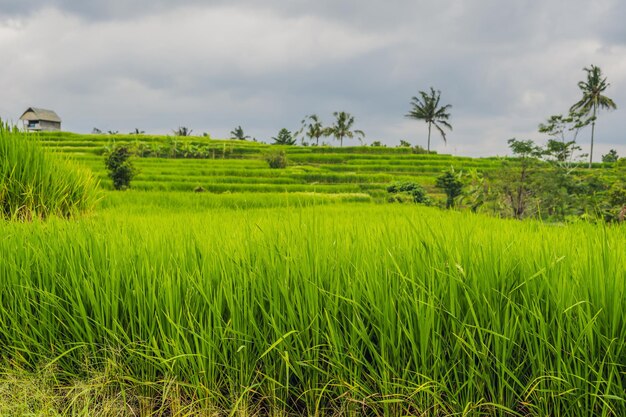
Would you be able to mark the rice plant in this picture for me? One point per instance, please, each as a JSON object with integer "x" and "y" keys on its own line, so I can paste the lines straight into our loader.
{"x": 317, "y": 310}
{"x": 36, "y": 184}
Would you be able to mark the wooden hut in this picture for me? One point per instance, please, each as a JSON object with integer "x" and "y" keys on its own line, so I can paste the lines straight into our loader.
{"x": 40, "y": 120}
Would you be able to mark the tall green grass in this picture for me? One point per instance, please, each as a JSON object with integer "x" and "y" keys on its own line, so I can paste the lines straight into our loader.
{"x": 323, "y": 310}
{"x": 37, "y": 184}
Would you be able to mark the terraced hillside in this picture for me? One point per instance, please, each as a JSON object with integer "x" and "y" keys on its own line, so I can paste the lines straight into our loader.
{"x": 239, "y": 166}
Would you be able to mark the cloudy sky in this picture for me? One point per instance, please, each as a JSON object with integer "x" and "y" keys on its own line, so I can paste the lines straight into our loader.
{"x": 212, "y": 65}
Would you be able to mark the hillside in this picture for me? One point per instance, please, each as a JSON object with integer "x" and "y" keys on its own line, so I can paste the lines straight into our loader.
{"x": 239, "y": 166}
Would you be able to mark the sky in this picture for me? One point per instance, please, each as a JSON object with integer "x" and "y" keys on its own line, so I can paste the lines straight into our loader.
{"x": 211, "y": 66}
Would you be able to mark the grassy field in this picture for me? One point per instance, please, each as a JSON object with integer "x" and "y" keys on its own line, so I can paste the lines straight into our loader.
{"x": 293, "y": 291}
{"x": 232, "y": 165}
{"x": 171, "y": 303}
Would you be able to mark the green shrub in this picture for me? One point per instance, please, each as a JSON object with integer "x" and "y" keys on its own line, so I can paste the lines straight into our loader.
{"x": 408, "y": 191}
{"x": 276, "y": 159}
{"x": 120, "y": 167}
{"x": 36, "y": 184}
{"x": 451, "y": 183}
{"x": 418, "y": 150}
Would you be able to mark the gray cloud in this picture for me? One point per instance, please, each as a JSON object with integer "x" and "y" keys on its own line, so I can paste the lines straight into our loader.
{"x": 214, "y": 65}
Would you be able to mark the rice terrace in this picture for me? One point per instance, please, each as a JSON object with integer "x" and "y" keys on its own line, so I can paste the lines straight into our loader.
{"x": 217, "y": 285}
{"x": 327, "y": 270}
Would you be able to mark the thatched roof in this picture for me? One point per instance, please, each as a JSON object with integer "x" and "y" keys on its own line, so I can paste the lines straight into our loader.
{"x": 34, "y": 113}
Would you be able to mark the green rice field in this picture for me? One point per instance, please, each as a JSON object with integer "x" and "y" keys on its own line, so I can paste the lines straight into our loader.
{"x": 298, "y": 292}
{"x": 238, "y": 166}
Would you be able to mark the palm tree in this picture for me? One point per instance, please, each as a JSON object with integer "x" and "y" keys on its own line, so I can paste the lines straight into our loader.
{"x": 182, "y": 131}
{"x": 592, "y": 99}
{"x": 343, "y": 127}
{"x": 237, "y": 133}
{"x": 314, "y": 127}
{"x": 427, "y": 109}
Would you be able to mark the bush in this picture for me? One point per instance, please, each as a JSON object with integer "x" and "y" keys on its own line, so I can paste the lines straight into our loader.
{"x": 35, "y": 184}
{"x": 277, "y": 159}
{"x": 450, "y": 182}
{"x": 120, "y": 167}
{"x": 408, "y": 191}
{"x": 418, "y": 150}
{"x": 610, "y": 157}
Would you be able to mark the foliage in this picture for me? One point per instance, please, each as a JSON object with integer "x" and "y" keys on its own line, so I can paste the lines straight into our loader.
{"x": 237, "y": 133}
{"x": 477, "y": 192}
{"x": 284, "y": 137}
{"x": 451, "y": 183}
{"x": 560, "y": 152}
{"x": 593, "y": 99}
{"x": 276, "y": 159}
{"x": 120, "y": 167}
{"x": 366, "y": 310}
{"x": 516, "y": 180}
{"x": 312, "y": 127}
{"x": 377, "y": 143}
{"x": 342, "y": 128}
{"x": 418, "y": 150}
{"x": 610, "y": 157}
{"x": 136, "y": 131}
{"x": 552, "y": 191}
{"x": 404, "y": 144}
{"x": 416, "y": 192}
{"x": 563, "y": 131}
{"x": 426, "y": 108}
{"x": 36, "y": 184}
{"x": 182, "y": 131}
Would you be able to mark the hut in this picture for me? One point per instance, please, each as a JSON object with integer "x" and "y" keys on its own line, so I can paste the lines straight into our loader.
{"x": 40, "y": 120}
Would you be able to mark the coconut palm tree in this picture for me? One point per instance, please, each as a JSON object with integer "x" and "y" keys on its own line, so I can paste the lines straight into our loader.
{"x": 593, "y": 100}
{"x": 237, "y": 133}
{"x": 313, "y": 126}
{"x": 343, "y": 127}
{"x": 182, "y": 131}
{"x": 426, "y": 108}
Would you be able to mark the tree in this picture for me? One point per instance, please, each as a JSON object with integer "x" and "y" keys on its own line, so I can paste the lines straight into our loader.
{"x": 137, "y": 132}
{"x": 237, "y": 133}
{"x": 593, "y": 100}
{"x": 450, "y": 182}
{"x": 284, "y": 137}
{"x": 120, "y": 167}
{"x": 426, "y": 108}
{"x": 610, "y": 157}
{"x": 517, "y": 186}
{"x": 312, "y": 125}
{"x": 563, "y": 131}
{"x": 343, "y": 127}
{"x": 182, "y": 131}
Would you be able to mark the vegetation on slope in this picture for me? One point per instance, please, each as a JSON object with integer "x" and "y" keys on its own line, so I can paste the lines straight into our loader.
{"x": 37, "y": 184}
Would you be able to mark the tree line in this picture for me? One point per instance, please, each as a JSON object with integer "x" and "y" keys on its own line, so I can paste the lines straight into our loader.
{"x": 427, "y": 107}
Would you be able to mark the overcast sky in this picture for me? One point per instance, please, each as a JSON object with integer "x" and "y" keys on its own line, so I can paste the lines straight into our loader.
{"x": 213, "y": 65}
